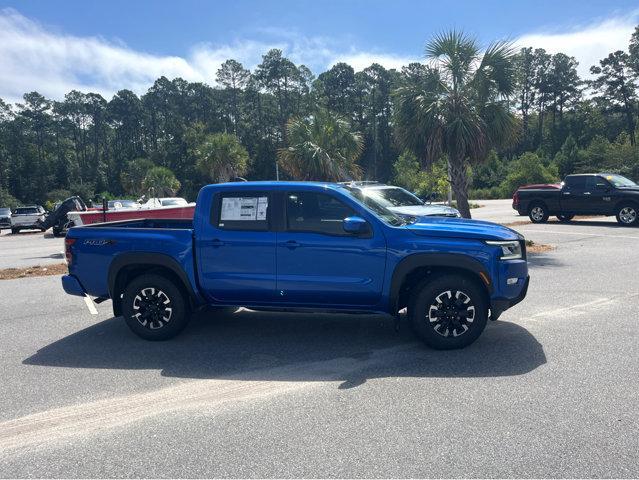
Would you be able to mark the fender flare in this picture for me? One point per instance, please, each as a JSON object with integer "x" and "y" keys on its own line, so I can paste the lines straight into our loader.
{"x": 453, "y": 260}
{"x": 127, "y": 259}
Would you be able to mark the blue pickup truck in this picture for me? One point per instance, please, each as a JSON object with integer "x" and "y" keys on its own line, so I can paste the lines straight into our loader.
{"x": 300, "y": 245}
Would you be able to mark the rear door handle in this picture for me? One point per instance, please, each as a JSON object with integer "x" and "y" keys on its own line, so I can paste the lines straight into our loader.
{"x": 586, "y": 193}
{"x": 290, "y": 244}
{"x": 216, "y": 242}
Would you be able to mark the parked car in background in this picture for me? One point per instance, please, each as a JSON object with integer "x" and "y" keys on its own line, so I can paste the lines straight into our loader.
{"x": 28, "y": 218}
{"x": 585, "y": 194}
{"x": 399, "y": 201}
{"x": 5, "y": 218}
{"x": 300, "y": 245}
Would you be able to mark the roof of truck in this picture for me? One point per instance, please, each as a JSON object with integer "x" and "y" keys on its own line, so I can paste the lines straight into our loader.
{"x": 273, "y": 185}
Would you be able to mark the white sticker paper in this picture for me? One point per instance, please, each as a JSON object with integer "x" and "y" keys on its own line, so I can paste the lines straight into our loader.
{"x": 262, "y": 206}
{"x": 244, "y": 208}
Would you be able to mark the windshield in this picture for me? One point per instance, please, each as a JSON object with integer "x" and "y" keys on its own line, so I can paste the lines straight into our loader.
{"x": 619, "y": 181}
{"x": 26, "y": 211}
{"x": 378, "y": 209}
{"x": 114, "y": 204}
{"x": 392, "y": 197}
{"x": 5, "y": 211}
{"x": 173, "y": 201}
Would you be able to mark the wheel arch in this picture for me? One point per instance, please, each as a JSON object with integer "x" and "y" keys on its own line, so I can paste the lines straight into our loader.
{"x": 626, "y": 201}
{"x": 537, "y": 202}
{"x": 416, "y": 267}
{"x": 129, "y": 265}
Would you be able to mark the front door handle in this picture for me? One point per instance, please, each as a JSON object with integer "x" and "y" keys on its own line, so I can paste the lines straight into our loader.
{"x": 586, "y": 193}
{"x": 290, "y": 244}
{"x": 216, "y": 242}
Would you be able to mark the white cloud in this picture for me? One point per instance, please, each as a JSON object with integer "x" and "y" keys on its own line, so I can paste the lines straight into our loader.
{"x": 34, "y": 57}
{"x": 587, "y": 43}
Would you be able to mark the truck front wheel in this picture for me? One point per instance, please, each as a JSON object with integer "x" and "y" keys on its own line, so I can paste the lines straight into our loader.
{"x": 154, "y": 307}
{"x": 448, "y": 312}
{"x": 538, "y": 213}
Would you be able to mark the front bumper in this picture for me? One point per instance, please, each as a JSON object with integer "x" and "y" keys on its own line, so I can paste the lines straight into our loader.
{"x": 72, "y": 286}
{"x": 500, "y": 305}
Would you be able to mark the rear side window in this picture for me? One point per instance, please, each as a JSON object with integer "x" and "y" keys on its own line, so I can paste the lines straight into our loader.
{"x": 578, "y": 183}
{"x": 243, "y": 211}
{"x": 316, "y": 213}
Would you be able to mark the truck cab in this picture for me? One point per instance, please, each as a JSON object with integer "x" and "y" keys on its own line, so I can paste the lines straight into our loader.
{"x": 300, "y": 246}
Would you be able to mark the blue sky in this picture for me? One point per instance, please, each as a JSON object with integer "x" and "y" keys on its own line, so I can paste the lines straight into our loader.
{"x": 103, "y": 46}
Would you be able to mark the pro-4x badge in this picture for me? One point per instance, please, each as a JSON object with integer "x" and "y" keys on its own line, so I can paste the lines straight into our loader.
{"x": 99, "y": 242}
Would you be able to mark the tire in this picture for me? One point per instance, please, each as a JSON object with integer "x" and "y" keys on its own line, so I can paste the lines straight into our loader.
{"x": 628, "y": 214}
{"x": 145, "y": 308}
{"x": 15, "y": 231}
{"x": 453, "y": 331}
{"x": 538, "y": 213}
{"x": 565, "y": 218}
{"x": 57, "y": 232}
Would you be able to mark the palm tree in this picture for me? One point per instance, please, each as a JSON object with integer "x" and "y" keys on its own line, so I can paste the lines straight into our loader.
{"x": 162, "y": 181}
{"x": 458, "y": 106}
{"x": 321, "y": 147}
{"x": 221, "y": 156}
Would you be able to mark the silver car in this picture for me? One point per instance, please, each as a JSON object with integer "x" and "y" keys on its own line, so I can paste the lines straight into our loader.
{"x": 401, "y": 201}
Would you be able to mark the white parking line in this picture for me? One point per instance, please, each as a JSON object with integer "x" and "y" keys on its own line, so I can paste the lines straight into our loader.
{"x": 580, "y": 308}
{"x": 582, "y": 234}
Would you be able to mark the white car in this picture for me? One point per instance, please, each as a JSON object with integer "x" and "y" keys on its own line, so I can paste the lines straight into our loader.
{"x": 27, "y": 218}
{"x": 400, "y": 201}
{"x": 165, "y": 202}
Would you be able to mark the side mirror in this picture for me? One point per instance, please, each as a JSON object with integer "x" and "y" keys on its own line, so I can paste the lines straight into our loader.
{"x": 355, "y": 225}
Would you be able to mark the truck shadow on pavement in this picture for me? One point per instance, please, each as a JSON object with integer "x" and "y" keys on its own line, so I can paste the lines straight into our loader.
{"x": 249, "y": 345}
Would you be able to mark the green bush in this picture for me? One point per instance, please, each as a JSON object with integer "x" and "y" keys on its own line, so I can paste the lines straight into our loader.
{"x": 410, "y": 175}
{"x": 492, "y": 193}
{"x": 526, "y": 169}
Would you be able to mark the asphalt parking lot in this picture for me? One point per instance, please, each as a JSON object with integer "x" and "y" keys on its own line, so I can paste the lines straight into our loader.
{"x": 29, "y": 248}
{"x": 548, "y": 390}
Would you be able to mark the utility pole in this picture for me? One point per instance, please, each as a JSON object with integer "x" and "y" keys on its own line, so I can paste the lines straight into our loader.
{"x": 450, "y": 184}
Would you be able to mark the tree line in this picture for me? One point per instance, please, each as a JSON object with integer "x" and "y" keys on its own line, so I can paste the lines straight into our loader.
{"x": 488, "y": 119}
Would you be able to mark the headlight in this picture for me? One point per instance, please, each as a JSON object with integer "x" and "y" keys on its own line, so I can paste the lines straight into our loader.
{"x": 510, "y": 250}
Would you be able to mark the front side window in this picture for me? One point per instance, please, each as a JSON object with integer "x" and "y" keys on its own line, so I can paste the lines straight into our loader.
{"x": 316, "y": 212}
{"x": 243, "y": 212}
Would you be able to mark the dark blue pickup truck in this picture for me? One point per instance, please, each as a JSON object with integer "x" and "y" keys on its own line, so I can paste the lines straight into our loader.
{"x": 300, "y": 245}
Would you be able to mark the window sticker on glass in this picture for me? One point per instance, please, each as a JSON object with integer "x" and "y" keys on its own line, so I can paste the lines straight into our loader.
{"x": 262, "y": 206}
{"x": 244, "y": 208}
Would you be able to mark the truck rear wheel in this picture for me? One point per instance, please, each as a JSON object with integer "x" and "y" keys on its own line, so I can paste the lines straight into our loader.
{"x": 154, "y": 307}
{"x": 565, "y": 218}
{"x": 448, "y": 312}
{"x": 538, "y": 213}
{"x": 628, "y": 214}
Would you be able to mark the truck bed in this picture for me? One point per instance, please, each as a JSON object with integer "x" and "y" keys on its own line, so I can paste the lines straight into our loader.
{"x": 96, "y": 247}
